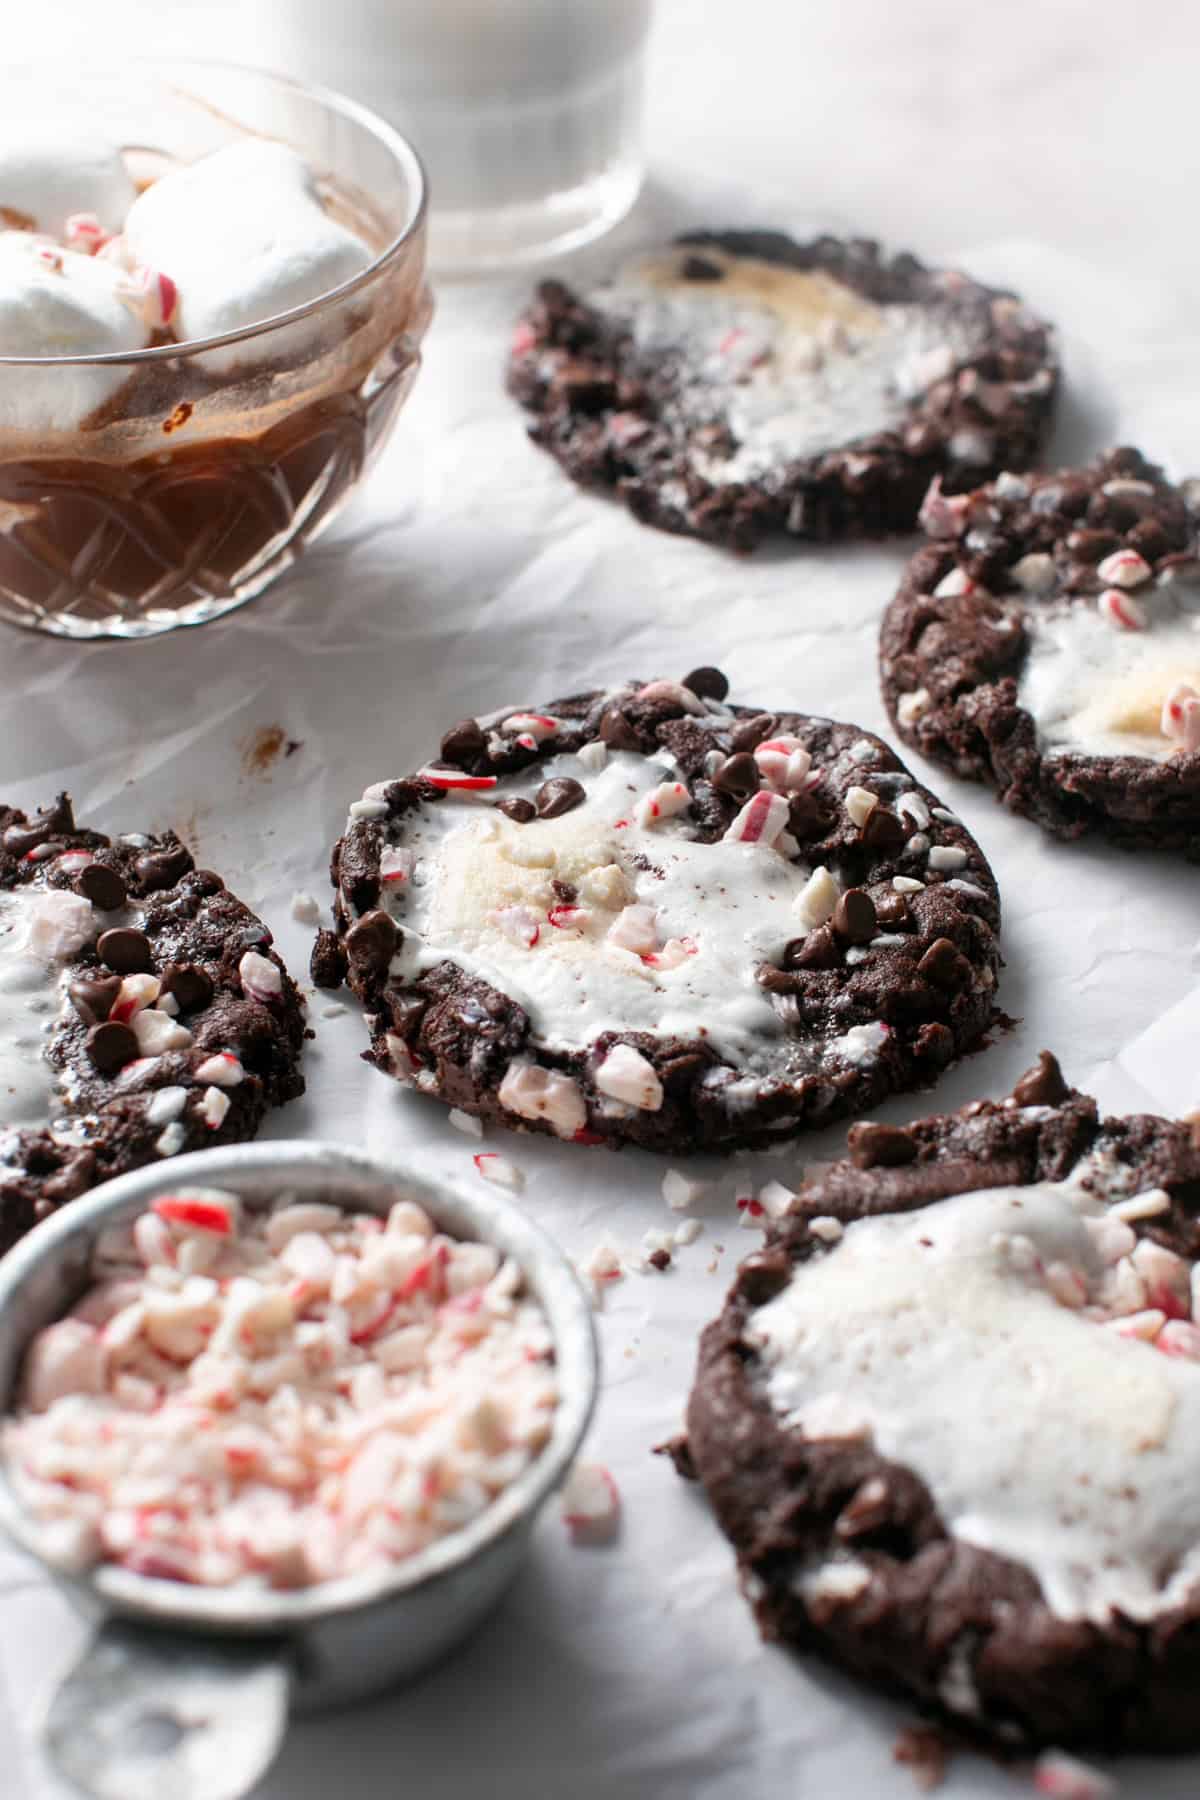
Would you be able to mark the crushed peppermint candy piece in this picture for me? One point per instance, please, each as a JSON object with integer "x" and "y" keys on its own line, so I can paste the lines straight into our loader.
{"x": 947, "y": 856}
{"x": 222, "y": 1070}
{"x": 817, "y": 899}
{"x": 213, "y": 1108}
{"x": 1124, "y": 569}
{"x": 260, "y": 978}
{"x": 1121, "y": 610}
{"x": 538, "y": 726}
{"x": 686, "y": 1232}
{"x": 171, "y": 1140}
{"x": 591, "y": 1504}
{"x": 151, "y": 295}
{"x": 625, "y": 1074}
{"x": 456, "y": 780}
{"x": 603, "y": 1264}
{"x": 775, "y": 1199}
{"x": 635, "y": 928}
{"x": 663, "y": 802}
{"x": 681, "y": 1191}
{"x": 520, "y": 924}
{"x": 673, "y": 692}
{"x": 466, "y": 1122}
{"x": 593, "y": 756}
{"x": 942, "y": 515}
{"x": 305, "y": 909}
{"x": 499, "y": 1171}
{"x": 828, "y": 1229}
{"x": 396, "y": 864}
{"x": 955, "y": 583}
{"x": 760, "y": 821}
{"x": 1066, "y": 1778}
{"x": 535, "y": 1093}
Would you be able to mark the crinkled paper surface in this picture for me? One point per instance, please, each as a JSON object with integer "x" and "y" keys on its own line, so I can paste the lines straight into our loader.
{"x": 471, "y": 575}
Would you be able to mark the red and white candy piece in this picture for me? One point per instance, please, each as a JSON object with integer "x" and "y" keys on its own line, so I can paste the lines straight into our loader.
{"x": 569, "y": 918}
{"x": 635, "y": 928}
{"x": 1181, "y": 716}
{"x": 260, "y": 978}
{"x": 1124, "y": 569}
{"x": 499, "y": 1171}
{"x": 198, "y": 1209}
{"x": 1066, "y": 1778}
{"x": 626, "y": 1075}
{"x": 134, "y": 994}
{"x": 673, "y": 692}
{"x": 152, "y": 295}
{"x": 663, "y": 802}
{"x": 784, "y": 762}
{"x": 535, "y": 1093}
{"x": 760, "y": 821}
{"x": 591, "y": 1504}
{"x": 538, "y": 726}
{"x": 85, "y": 233}
{"x": 520, "y": 924}
{"x": 673, "y": 953}
{"x": 396, "y": 864}
{"x": 213, "y": 1108}
{"x": 454, "y": 779}
{"x": 955, "y": 583}
{"x": 222, "y": 1070}
{"x": 1121, "y": 610}
{"x": 942, "y": 515}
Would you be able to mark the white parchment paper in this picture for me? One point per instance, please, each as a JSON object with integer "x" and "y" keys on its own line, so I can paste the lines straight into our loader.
{"x": 471, "y": 575}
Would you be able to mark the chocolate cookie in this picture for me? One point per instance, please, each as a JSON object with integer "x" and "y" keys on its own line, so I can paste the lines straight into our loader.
{"x": 1047, "y": 641}
{"x": 950, "y": 1418}
{"x": 142, "y": 1011}
{"x": 738, "y": 383}
{"x": 647, "y": 916}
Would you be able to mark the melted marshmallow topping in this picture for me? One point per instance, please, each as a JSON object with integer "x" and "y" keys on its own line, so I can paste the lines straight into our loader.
{"x": 663, "y": 936}
{"x": 1094, "y": 689}
{"x": 279, "y": 1398}
{"x": 797, "y": 362}
{"x": 1029, "y": 1360}
{"x": 39, "y": 930}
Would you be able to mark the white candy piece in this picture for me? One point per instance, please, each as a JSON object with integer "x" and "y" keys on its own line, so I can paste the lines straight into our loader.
{"x": 663, "y": 802}
{"x": 222, "y": 1070}
{"x": 591, "y": 1506}
{"x": 947, "y": 856}
{"x": 244, "y": 236}
{"x": 61, "y": 304}
{"x": 815, "y": 902}
{"x": 1124, "y": 569}
{"x": 500, "y": 1171}
{"x": 59, "y": 924}
{"x": 157, "y": 1032}
{"x": 913, "y": 706}
{"x": 260, "y": 978}
{"x": 625, "y": 1074}
{"x": 860, "y": 804}
{"x": 680, "y": 1191}
{"x": 535, "y": 1093}
{"x": 1034, "y": 573}
{"x": 50, "y": 172}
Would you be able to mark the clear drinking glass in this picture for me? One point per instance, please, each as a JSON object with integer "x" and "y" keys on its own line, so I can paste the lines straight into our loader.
{"x": 527, "y": 113}
{"x": 163, "y": 487}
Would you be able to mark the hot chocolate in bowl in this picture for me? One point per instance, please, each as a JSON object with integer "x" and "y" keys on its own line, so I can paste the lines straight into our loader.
{"x": 165, "y": 485}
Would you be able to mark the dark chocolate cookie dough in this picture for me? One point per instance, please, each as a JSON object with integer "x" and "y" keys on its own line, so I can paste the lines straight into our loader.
{"x": 738, "y": 384}
{"x": 1047, "y": 642}
{"x": 947, "y": 1419}
{"x": 142, "y": 1010}
{"x": 643, "y": 915}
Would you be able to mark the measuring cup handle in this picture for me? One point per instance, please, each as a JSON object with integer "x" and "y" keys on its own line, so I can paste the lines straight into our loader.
{"x": 147, "y": 1714}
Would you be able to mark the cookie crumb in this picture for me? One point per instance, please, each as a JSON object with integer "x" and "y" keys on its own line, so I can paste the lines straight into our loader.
{"x": 923, "y": 1751}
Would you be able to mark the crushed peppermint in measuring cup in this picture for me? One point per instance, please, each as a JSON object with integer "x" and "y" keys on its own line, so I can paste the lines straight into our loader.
{"x": 283, "y": 1396}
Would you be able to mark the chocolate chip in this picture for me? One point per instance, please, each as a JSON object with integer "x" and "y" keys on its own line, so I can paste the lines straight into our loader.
{"x": 371, "y": 942}
{"x": 519, "y": 810}
{"x": 464, "y": 743}
{"x": 880, "y": 1146}
{"x": 943, "y": 966}
{"x": 884, "y": 832}
{"x": 748, "y": 734}
{"x": 816, "y": 951}
{"x": 55, "y": 821}
{"x": 1092, "y": 546}
{"x": 700, "y": 268}
{"x": 125, "y": 950}
{"x": 806, "y": 816}
{"x": 327, "y": 964}
{"x": 560, "y": 795}
{"x": 111, "y": 1046}
{"x": 1043, "y": 1085}
{"x": 891, "y": 911}
{"x": 616, "y": 731}
{"x": 854, "y": 919}
{"x": 707, "y": 684}
{"x": 93, "y": 1000}
{"x": 163, "y": 868}
{"x": 660, "y": 1259}
{"x": 191, "y": 985}
{"x": 738, "y": 776}
{"x": 103, "y": 886}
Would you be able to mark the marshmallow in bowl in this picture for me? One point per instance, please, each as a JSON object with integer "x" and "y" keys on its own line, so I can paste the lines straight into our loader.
{"x": 58, "y": 303}
{"x": 49, "y": 173}
{"x": 244, "y": 236}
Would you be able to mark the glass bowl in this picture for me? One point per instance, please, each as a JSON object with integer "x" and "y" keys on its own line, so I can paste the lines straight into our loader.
{"x": 166, "y": 486}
